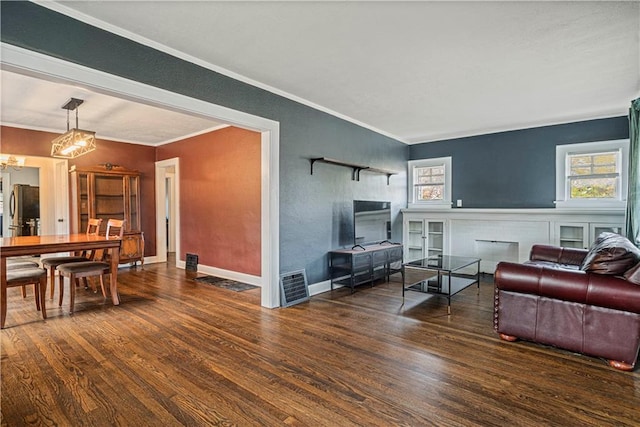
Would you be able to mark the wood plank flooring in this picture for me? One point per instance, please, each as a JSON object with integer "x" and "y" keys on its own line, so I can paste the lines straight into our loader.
{"x": 178, "y": 352}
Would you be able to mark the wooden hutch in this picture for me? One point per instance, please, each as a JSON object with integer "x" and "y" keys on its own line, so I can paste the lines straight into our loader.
{"x": 104, "y": 192}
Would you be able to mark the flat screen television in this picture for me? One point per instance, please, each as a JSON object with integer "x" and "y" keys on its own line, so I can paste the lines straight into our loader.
{"x": 371, "y": 222}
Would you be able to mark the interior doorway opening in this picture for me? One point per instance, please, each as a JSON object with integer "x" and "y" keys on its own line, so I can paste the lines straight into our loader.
{"x": 168, "y": 211}
{"x": 49, "y": 213}
{"x": 20, "y": 201}
{"x": 23, "y": 61}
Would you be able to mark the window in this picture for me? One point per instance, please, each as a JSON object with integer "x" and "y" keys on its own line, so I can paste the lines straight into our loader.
{"x": 430, "y": 183}
{"x": 592, "y": 174}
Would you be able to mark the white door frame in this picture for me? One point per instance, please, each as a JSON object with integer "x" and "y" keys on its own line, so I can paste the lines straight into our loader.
{"x": 15, "y": 59}
{"x": 170, "y": 194}
{"x": 161, "y": 208}
{"x": 54, "y": 193}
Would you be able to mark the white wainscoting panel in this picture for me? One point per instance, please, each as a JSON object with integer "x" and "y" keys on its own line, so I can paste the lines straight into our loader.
{"x": 518, "y": 237}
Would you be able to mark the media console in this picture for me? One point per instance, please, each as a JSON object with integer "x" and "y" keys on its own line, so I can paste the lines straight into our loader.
{"x": 364, "y": 264}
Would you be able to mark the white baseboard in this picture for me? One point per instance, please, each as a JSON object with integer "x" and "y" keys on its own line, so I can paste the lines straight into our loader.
{"x": 314, "y": 289}
{"x": 321, "y": 287}
{"x": 225, "y": 274}
{"x": 151, "y": 260}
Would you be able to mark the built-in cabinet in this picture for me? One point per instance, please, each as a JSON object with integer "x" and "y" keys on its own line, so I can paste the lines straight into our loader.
{"x": 109, "y": 192}
{"x": 495, "y": 235}
{"x": 423, "y": 238}
{"x": 582, "y": 234}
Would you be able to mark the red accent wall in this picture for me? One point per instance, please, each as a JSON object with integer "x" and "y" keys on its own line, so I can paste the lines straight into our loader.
{"x": 131, "y": 156}
{"x": 220, "y": 191}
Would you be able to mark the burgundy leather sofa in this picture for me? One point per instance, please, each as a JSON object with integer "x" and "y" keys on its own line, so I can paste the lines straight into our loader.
{"x": 554, "y": 299}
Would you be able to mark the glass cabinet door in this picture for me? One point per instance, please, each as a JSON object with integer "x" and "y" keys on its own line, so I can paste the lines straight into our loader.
{"x": 573, "y": 235}
{"x": 415, "y": 240}
{"x": 134, "y": 204}
{"x": 596, "y": 229}
{"x": 435, "y": 238}
{"x": 424, "y": 238}
{"x": 109, "y": 198}
{"x": 84, "y": 207}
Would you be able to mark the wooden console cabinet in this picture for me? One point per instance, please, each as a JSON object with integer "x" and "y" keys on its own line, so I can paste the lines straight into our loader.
{"x": 106, "y": 192}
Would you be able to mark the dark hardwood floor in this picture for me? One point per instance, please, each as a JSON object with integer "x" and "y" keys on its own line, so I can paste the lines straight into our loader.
{"x": 178, "y": 352}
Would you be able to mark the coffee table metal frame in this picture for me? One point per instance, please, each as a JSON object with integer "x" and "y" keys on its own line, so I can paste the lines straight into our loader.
{"x": 448, "y": 279}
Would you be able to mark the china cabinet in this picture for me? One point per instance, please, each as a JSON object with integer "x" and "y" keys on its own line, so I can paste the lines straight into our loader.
{"x": 106, "y": 192}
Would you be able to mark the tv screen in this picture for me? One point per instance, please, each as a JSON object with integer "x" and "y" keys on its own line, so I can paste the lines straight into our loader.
{"x": 371, "y": 222}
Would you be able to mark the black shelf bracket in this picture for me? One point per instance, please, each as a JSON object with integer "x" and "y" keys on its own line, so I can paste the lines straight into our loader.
{"x": 355, "y": 168}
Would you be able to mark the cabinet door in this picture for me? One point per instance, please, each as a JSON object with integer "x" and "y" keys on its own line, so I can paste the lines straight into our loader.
{"x": 424, "y": 238}
{"x": 435, "y": 238}
{"x": 109, "y": 196}
{"x": 132, "y": 248}
{"x": 85, "y": 207}
{"x": 133, "y": 189}
{"x": 572, "y": 235}
{"x": 414, "y": 239}
{"x": 596, "y": 229}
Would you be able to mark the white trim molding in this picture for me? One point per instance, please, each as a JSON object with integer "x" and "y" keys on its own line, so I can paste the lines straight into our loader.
{"x": 445, "y": 203}
{"x": 563, "y": 201}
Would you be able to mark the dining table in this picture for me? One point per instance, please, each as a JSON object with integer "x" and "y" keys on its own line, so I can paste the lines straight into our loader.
{"x": 38, "y": 245}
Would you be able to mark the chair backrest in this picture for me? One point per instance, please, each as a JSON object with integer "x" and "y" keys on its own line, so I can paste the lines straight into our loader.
{"x": 93, "y": 229}
{"x": 115, "y": 228}
{"x": 93, "y": 226}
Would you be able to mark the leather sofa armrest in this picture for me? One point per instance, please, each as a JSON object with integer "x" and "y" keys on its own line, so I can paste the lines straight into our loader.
{"x": 557, "y": 254}
{"x": 569, "y": 285}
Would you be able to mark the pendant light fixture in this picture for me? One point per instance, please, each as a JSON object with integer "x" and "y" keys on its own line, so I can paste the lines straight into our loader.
{"x": 74, "y": 142}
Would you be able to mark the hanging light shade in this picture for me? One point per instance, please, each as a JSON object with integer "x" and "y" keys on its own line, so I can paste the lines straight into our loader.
{"x": 74, "y": 142}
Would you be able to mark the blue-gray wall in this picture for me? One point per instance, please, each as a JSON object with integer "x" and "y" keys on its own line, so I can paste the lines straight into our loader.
{"x": 315, "y": 211}
{"x": 514, "y": 169}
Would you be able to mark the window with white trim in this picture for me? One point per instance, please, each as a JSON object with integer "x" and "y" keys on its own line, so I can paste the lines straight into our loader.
{"x": 592, "y": 175}
{"x": 430, "y": 183}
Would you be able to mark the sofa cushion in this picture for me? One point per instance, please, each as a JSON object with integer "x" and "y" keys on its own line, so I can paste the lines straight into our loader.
{"x": 555, "y": 265}
{"x": 633, "y": 274}
{"x": 611, "y": 254}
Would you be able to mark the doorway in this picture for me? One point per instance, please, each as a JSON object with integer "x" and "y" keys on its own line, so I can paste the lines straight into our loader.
{"x": 168, "y": 209}
{"x": 50, "y": 176}
{"x": 20, "y": 202}
{"x": 23, "y": 61}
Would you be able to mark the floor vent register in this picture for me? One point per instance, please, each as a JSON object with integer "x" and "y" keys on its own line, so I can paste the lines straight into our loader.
{"x": 294, "y": 288}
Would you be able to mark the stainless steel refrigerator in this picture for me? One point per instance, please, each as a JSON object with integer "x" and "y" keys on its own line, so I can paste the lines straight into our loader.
{"x": 24, "y": 208}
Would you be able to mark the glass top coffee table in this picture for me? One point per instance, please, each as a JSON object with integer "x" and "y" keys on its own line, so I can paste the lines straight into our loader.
{"x": 442, "y": 275}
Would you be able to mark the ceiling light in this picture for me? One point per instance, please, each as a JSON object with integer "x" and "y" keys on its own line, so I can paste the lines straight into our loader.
{"x": 10, "y": 161}
{"x": 74, "y": 142}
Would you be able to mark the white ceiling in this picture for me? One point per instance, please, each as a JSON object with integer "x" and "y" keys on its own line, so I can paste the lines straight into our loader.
{"x": 417, "y": 71}
{"x": 31, "y": 103}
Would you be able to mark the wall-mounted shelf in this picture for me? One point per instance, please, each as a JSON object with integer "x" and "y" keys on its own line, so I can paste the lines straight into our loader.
{"x": 355, "y": 168}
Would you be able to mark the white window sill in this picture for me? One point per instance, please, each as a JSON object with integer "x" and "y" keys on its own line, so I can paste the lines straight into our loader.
{"x": 591, "y": 204}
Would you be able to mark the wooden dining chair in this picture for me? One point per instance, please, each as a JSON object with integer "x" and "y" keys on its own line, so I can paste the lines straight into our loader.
{"x": 51, "y": 263}
{"x": 18, "y": 263}
{"x": 93, "y": 268}
{"x": 35, "y": 276}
